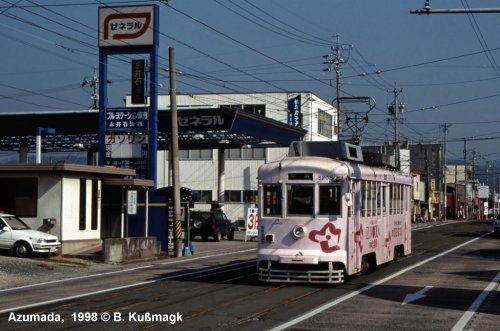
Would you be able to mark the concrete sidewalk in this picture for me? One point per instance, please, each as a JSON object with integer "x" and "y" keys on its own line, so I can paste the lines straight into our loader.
{"x": 199, "y": 247}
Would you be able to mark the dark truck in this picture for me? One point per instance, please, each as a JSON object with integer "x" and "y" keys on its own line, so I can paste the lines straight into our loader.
{"x": 213, "y": 224}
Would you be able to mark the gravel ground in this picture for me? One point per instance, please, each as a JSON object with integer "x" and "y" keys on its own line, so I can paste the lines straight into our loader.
{"x": 16, "y": 271}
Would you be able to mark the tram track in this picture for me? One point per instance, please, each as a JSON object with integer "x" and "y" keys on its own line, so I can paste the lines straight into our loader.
{"x": 211, "y": 293}
{"x": 223, "y": 293}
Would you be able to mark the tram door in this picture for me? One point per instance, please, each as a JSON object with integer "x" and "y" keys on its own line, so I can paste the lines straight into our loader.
{"x": 355, "y": 222}
{"x": 385, "y": 196}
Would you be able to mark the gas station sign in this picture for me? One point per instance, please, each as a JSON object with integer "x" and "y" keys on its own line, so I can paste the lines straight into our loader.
{"x": 126, "y": 26}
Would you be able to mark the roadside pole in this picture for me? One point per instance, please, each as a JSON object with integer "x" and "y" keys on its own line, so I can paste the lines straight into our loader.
{"x": 174, "y": 150}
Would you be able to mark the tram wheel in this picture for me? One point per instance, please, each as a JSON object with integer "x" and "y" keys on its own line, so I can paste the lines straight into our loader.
{"x": 368, "y": 263}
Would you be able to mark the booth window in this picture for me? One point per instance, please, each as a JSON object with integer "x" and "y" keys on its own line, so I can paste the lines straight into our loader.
{"x": 19, "y": 196}
{"x": 83, "y": 203}
{"x": 95, "y": 204}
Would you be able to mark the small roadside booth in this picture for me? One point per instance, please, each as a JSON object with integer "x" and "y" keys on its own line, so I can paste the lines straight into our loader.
{"x": 72, "y": 201}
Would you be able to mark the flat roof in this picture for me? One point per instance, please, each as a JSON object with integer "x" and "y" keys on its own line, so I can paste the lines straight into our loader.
{"x": 198, "y": 129}
{"x": 129, "y": 182}
{"x": 58, "y": 167}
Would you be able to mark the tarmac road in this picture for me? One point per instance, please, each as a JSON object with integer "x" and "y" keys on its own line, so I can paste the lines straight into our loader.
{"x": 449, "y": 283}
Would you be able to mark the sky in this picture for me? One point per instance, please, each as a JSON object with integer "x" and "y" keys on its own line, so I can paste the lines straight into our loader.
{"x": 445, "y": 66}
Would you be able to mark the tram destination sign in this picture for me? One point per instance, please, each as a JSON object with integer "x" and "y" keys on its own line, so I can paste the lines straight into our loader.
{"x": 300, "y": 176}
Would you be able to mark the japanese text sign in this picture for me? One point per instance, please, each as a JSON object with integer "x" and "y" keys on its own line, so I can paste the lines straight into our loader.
{"x": 126, "y": 26}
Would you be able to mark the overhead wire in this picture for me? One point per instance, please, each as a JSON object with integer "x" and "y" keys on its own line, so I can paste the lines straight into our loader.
{"x": 480, "y": 37}
{"x": 235, "y": 88}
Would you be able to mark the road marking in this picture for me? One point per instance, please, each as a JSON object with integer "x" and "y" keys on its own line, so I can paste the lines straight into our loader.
{"x": 416, "y": 296}
{"x": 351, "y": 295}
{"x": 124, "y": 270}
{"x": 462, "y": 322}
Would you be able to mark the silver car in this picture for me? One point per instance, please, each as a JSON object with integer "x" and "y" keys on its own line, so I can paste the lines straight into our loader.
{"x": 21, "y": 240}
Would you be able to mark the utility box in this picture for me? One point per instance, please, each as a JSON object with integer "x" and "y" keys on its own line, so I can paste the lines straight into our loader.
{"x": 49, "y": 221}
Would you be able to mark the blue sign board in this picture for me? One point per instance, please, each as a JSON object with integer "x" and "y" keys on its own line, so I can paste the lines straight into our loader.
{"x": 294, "y": 111}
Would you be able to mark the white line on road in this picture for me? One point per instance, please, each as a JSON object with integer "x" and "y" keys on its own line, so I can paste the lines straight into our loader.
{"x": 77, "y": 296}
{"x": 462, "y": 322}
{"x": 348, "y": 296}
{"x": 124, "y": 270}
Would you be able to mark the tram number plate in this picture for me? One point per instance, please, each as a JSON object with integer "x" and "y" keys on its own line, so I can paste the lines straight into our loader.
{"x": 299, "y": 259}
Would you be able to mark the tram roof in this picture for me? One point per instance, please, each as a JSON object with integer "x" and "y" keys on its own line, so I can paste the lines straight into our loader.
{"x": 208, "y": 128}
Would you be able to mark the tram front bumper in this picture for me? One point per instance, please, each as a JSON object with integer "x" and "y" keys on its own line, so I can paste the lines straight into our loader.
{"x": 302, "y": 267}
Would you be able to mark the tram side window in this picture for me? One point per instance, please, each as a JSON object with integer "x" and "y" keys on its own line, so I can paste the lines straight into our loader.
{"x": 364, "y": 202}
{"x": 272, "y": 200}
{"x": 300, "y": 200}
{"x": 399, "y": 199}
{"x": 380, "y": 199}
{"x": 329, "y": 200}
{"x": 371, "y": 198}
{"x": 393, "y": 204}
{"x": 397, "y": 205}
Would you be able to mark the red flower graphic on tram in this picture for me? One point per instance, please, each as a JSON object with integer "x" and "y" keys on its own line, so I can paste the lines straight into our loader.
{"x": 326, "y": 238}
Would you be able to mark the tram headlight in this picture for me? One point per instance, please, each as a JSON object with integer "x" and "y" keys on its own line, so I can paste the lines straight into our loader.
{"x": 299, "y": 231}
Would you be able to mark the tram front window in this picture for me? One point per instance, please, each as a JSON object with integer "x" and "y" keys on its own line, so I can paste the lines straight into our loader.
{"x": 300, "y": 200}
{"x": 329, "y": 200}
{"x": 272, "y": 200}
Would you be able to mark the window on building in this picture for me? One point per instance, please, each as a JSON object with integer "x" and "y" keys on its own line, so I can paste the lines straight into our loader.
{"x": 250, "y": 196}
{"x": 329, "y": 200}
{"x": 244, "y": 153}
{"x": 232, "y": 154}
{"x": 196, "y": 154}
{"x": 325, "y": 123}
{"x": 202, "y": 196}
{"x": 19, "y": 196}
{"x": 232, "y": 196}
{"x": 254, "y": 153}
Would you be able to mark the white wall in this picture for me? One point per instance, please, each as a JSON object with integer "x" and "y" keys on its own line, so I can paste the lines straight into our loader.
{"x": 49, "y": 202}
{"x": 71, "y": 212}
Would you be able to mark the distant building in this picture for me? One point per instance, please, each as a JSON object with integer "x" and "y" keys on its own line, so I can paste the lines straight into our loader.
{"x": 423, "y": 161}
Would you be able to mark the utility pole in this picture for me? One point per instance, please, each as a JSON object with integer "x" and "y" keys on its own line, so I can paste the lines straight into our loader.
{"x": 174, "y": 150}
{"x": 94, "y": 84}
{"x": 466, "y": 211}
{"x": 473, "y": 176}
{"x": 395, "y": 108}
{"x": 336, "y": 60}
{"x": 445, "y": 127}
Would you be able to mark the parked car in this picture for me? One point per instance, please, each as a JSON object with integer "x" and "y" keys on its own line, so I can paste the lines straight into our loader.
{"x": 22, "y": 241}
{"x": 496, "y": 225}
{"x": 213, "y": 224}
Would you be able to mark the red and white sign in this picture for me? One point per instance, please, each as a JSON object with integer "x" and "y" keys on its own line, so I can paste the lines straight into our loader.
{"x": 252, "y": 222}
{"x": 126, "y": 26}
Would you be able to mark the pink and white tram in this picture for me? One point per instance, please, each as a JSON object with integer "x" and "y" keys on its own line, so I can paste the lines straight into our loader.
{"x": 324, "y": 215}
